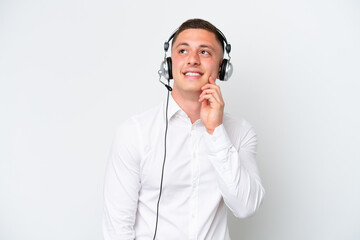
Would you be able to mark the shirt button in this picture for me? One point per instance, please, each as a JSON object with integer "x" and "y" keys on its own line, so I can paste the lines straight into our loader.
{"x": 214, "y": 139}
{"x": 194, "y": 155}
{"x": 193, "y": 215}
{"x": 194, "y": 185}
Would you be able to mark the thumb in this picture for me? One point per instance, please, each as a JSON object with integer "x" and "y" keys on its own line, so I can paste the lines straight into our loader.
{"x": 211, "y": 80}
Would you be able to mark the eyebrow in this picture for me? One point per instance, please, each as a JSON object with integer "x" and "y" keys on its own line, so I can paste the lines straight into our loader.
{"x": 182, "y": 44}
{"x": 207, "y": 46}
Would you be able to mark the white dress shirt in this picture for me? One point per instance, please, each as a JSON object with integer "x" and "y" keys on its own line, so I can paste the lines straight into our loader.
{"x": 203, "y": 173}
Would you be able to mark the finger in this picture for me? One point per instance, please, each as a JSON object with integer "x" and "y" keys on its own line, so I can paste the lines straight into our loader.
{"x": 211, "y": 86}
{"x": 213, "y": 99}
{"x": 211, "y": 80}
{"x": 211, "y": 92}
{"x": 207, "y": 91}
{"x": 209, "y": 100}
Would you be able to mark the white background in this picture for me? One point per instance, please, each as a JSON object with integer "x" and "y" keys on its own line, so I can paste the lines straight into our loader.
{"x": 71, "y": 71}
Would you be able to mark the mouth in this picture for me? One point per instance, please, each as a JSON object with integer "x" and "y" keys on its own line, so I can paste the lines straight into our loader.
{"x": 193, "y": 74}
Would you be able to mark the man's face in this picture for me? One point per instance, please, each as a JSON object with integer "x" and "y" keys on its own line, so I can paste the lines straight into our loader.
{"x": 196, "y": 55}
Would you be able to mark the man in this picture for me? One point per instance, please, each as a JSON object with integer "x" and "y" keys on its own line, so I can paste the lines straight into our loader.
{"x": 210, "y": 161}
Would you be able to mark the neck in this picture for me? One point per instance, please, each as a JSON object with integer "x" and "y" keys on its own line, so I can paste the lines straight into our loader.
{"x": 189, "y": 103}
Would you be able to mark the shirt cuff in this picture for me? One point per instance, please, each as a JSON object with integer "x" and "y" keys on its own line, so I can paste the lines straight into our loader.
{"x": 218, "y": 141}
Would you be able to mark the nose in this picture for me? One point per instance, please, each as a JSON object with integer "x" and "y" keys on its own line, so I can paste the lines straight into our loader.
{"x": 193, "y": 58}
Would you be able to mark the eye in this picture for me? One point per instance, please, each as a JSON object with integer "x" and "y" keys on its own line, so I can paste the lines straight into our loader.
{"x": 205, "y": 52}
{"x": 182, "y": 51}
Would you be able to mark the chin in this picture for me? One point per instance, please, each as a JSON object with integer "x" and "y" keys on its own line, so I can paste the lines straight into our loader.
{"x": 194, "y": 85}
{"x": 188, "y": 89}
{"x": 189, "y": 85}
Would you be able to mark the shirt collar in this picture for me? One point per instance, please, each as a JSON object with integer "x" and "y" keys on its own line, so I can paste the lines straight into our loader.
{"x": 174, "y": 109}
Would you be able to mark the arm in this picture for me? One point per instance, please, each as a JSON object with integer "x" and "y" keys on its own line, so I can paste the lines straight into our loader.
{"x": 122, "y": 184}
{"x": 236, "y": 170}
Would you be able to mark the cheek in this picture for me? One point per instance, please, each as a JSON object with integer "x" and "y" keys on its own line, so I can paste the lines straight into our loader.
{"x": 214, "y": 68}
{"x": 176, "y": 64}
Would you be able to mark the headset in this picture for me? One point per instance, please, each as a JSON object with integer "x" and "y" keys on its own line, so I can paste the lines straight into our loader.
{"x": 226, "y": 68}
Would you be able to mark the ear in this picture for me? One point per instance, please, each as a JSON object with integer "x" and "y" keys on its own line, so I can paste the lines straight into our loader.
{"x": 220, "y": 63}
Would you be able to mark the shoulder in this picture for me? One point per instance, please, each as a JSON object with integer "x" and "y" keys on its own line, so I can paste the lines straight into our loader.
{"x": 143, "y": 119}
{"x": 238, "y": 129}
{"x": 140, "y": 125}
{"x": 232, "y": 123}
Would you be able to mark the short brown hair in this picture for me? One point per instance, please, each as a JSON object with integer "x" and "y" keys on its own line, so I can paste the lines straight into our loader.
{"x": 199, "y": 24}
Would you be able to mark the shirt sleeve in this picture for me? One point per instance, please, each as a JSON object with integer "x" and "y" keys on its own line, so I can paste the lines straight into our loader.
{"x": 236, "y": 169}
{"x": 122, "y": 184}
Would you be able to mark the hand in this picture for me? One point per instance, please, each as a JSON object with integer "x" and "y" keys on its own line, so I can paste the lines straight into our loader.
{"x": 212, "y": 106}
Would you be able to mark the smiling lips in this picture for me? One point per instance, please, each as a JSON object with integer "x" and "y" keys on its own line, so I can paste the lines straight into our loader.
{"x": 193, "y": 73}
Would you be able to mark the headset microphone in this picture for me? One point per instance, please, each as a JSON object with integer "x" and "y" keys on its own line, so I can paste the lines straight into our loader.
{"x": 166, "y": 85}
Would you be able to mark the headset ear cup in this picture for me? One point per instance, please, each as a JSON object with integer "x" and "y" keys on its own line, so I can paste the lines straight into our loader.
{"x": 223, "y": 69}
{"x": 169, "y": 67}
